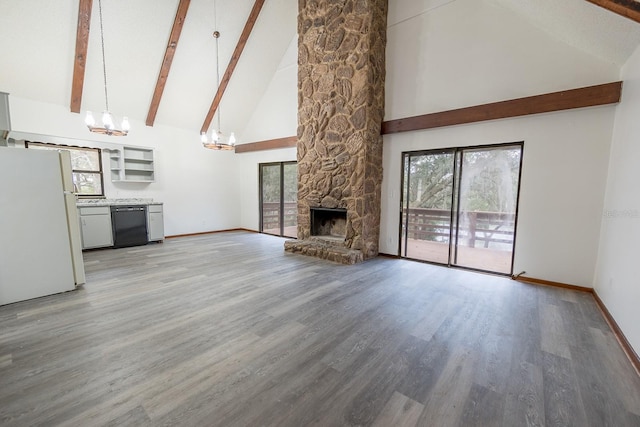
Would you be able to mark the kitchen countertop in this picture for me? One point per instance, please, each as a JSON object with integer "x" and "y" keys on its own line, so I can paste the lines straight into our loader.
{"x": 111, "y": 202}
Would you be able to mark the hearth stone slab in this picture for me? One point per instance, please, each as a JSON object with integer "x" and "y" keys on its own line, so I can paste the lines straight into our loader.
{"x": 325, "y": 250}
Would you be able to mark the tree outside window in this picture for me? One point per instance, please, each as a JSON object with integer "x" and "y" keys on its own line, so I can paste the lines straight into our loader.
{"x": 86, "y": 165}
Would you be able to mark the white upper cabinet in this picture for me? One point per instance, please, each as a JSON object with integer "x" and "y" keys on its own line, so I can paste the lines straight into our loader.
{"x": 134, "y": 164}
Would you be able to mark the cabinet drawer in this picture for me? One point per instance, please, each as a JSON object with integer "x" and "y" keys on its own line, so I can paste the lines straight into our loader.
{"x": 95, "y": 210}
{"x": 155, "y": 208}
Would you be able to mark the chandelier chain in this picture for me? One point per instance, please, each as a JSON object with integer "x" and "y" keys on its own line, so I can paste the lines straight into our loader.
{"x": 218, "y": 76}
{"x": 108, "y": 127}
{"x": 218, "y": 142}
{"x": 104, "y": 66}
{"x": 216, "y": 34}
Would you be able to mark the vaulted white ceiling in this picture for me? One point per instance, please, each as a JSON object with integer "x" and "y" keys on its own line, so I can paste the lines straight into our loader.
{"x": 588, "y": 27}
{"x": 38, "y": 45}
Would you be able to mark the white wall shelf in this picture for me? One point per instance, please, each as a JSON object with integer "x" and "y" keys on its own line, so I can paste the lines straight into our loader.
{"x": 132, "y": 164}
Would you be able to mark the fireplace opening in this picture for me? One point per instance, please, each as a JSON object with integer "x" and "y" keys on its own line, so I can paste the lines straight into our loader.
{"x": 329, "y": 222}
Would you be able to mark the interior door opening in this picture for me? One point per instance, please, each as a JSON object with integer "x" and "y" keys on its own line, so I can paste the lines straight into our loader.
{"x": 459, "y": 206}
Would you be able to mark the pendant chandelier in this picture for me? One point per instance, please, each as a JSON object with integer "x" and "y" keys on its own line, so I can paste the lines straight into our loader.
{"x": 218, "y": 140}
{"x": 108, "y": 127}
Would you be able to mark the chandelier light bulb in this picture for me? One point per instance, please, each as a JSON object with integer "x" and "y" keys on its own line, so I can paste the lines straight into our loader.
{"x": 107, "y": 121}
{"x": 214, "y": 135}
{"x": 232, "y": 139}
{"x": 89, "y": 120}
{"x": 125, "y": 124}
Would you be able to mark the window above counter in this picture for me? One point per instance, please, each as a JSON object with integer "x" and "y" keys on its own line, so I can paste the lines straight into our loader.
{"x": 86, "y": 165}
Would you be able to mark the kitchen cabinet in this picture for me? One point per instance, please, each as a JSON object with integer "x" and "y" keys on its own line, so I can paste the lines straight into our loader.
{"x": 95, "y": 227}
{"x": 132, "y": 164}
{"x": 155, "y": 223}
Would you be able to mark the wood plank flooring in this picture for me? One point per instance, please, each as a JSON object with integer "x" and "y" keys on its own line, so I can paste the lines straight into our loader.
{"x": 229, "y": 330}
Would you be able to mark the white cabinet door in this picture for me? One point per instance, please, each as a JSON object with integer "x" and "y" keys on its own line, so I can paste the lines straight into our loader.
{"x": 95, "y": 225}
{"x": 155, "y": 223}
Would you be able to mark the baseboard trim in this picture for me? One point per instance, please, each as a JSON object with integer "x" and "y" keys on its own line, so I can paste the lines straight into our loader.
{"x": 620, "y": 336}
{"x": 554, "y": 284}
{"x": 380, "y": 254}
{"x": 247, "y": 230}
{"x": 209, "y": 232}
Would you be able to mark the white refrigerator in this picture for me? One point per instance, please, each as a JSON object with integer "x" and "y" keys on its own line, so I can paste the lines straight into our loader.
{"x": 40, "y": 246}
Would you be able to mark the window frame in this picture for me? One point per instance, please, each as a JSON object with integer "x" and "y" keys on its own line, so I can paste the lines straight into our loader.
{"x": 281, "y": 201}
{"x": 455, "y": 199}
{"x": 99, "y": 172}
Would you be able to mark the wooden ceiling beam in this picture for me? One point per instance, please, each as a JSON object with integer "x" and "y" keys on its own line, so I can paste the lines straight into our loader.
{"x": 608, "y": 93}
{"x": 289, "y": 141}
{"x": 627, "y": 8}
{"x": 80, "y": 62}
{"x": 172, "y": 45}
{"x": 604, "y": 94}
{"x": 246, "y": 32}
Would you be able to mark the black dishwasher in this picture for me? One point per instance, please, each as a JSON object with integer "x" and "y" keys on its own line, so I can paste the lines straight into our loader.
{"x": 129, "y": 225}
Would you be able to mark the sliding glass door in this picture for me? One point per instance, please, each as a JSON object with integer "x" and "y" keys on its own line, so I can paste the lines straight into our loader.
{"x": 460, "y": 206}
{"x": 427, "y": 195}
{"x": 279, "y": 198}
{"x": 488, "y": 199}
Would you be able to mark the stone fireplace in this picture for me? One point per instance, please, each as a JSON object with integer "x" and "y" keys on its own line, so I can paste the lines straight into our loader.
{"x": 341, "y": 71}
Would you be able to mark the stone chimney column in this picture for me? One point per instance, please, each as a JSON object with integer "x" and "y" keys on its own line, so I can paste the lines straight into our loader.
{"x": 341, "y": 74}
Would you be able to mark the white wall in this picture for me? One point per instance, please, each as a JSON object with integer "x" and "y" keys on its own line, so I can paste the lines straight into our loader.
{"x": 563, "y": 179}
{"x": 469, "y": 52}
{"x": 276, "y": 116}
{"x": 617, "y": 278}
{"x": 248, "y": 177}
{"x": 197, "y": 186}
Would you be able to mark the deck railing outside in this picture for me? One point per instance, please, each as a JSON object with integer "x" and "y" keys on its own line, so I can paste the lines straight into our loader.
{"x": 271, "y": 215}
{"x": 487, "y": 229}
{"x": 477, "y": 229}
